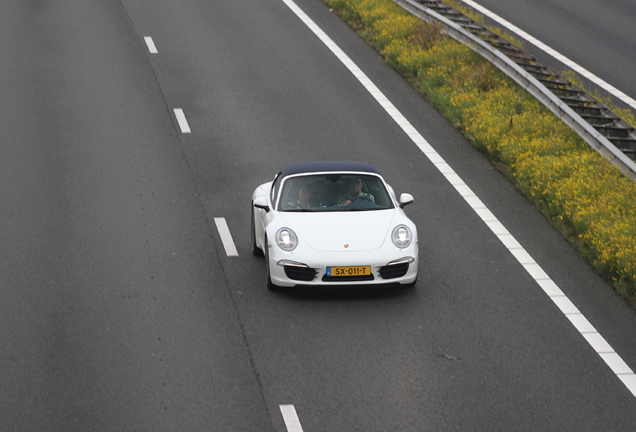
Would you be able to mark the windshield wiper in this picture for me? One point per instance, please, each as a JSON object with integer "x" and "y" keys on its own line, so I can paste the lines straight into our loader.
{"x": 364, "y": 208}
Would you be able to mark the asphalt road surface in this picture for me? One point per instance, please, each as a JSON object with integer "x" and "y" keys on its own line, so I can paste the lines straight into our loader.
{"x": 120, "y": 309}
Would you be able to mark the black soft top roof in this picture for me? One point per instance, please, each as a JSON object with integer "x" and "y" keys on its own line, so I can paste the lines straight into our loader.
{"x": 309, "y": 167}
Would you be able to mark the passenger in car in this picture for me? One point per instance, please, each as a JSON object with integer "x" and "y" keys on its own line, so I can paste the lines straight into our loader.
{"x": 355, "y": 193}
{"x": 305, "y": 199}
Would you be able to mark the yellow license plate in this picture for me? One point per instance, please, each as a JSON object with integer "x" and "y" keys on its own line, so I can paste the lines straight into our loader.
{"x": 349, "y": 271}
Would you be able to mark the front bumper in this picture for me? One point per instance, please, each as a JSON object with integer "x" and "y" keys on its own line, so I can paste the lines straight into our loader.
{"x": 388, "y": 267}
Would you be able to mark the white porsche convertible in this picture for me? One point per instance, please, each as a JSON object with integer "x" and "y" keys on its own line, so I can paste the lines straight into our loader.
{"x": 333, "y": 224}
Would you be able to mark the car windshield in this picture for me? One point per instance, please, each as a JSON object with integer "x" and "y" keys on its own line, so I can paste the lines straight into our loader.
{"x": 334, "y": 192}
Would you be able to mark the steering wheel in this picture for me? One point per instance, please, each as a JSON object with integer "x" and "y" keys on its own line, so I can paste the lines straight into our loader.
{"x": 359, "y": 198}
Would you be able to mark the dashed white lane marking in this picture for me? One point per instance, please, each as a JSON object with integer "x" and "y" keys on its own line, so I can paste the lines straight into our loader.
{"x": 596, "y": 341}
{"x": 151, "y": 45}
{"x": 226, "y": 237}
{"x": 181, "y": 119}
{"x": 563, "y": 59}
{"x": 291, "y": 418}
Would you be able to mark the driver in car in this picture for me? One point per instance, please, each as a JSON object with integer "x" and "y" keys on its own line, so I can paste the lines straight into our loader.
{"x": 355, "y": 193}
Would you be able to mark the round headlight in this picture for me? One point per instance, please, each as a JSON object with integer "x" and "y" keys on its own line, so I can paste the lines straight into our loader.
{"x": 286, "y": 239}
{"x": 401, "y": 236}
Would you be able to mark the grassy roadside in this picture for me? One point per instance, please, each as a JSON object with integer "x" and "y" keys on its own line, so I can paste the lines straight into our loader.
{"x": 584, "y": 196}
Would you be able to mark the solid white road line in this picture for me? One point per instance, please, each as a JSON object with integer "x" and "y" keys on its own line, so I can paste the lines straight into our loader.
{"x": 563, "y": 59}
{"x": 151, "y": 45}
{"x": 181, "y": 119}
{"x": 291, "y": 418}
{"x": 226, "y": 237}
{"x": 596, "y": 341}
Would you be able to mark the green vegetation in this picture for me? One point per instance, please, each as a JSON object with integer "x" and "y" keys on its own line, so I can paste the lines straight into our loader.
{"x": 586, "y": 197}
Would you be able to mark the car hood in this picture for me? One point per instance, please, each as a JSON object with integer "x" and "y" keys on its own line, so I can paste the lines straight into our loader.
{"x": 341, "y": 231}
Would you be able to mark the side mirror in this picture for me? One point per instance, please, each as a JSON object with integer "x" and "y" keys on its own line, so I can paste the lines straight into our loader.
{"x": 405, "y": 199}
{"x": 261, "y": 203}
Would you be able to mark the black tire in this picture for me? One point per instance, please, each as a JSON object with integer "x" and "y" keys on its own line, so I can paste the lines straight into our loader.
{"x": 256, "y": 251}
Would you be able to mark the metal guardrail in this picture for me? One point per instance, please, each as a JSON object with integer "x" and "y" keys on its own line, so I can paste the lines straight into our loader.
{"x": 497, "y": 51}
